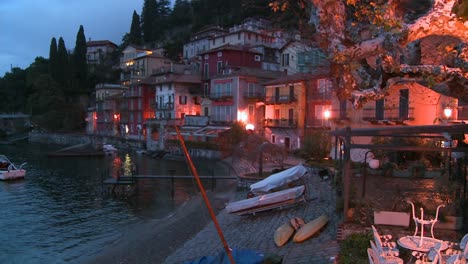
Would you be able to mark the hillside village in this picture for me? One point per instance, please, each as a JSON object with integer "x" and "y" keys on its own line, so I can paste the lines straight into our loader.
{"x": 272, "y": 82}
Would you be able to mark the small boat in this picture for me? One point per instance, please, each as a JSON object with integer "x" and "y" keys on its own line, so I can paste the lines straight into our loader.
{"x": 267, "y": 201}
{"x": 279, "y": 180}
{"x": 109, "y": 149}
{"x": 9, "y": 171}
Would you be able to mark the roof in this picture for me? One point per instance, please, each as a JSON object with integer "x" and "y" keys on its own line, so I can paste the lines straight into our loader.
{"x": 232, "y": 47}
{"x": 100, "y": 43}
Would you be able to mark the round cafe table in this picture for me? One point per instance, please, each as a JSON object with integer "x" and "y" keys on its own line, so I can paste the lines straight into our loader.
{"x": 413, "y": 243}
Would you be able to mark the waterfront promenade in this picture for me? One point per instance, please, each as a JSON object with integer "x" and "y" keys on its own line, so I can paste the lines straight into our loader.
{"x": 256, "y": 232}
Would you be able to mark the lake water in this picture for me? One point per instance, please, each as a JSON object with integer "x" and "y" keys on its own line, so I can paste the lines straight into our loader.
{"x": 62, "y": 212}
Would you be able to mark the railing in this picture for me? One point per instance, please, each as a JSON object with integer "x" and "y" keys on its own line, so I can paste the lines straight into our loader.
{"x": 254, "y": 95}
{"x": 281, "y": 122}
{"x": 281, "y": 99}
{"x": 165, "y": 106}
{"x": 390, "y": 114}
{"x": 221, "y": 96}
{"x": 132, "y": 94}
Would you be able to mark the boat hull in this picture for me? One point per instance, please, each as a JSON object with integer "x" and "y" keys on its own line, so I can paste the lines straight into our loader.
{"x": 12, "y": 174}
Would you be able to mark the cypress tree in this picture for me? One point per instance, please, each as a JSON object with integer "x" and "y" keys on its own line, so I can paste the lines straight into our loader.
{"x": 62, "y": 62}
{"x": 53, "y": 59}
{"x": 148, "y": 18}
{"x": 80, "y": 67}
{"x": 135, "y": 30}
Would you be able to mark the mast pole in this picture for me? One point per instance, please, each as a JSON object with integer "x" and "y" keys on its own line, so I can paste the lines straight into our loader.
{"x": 205, "y": 197}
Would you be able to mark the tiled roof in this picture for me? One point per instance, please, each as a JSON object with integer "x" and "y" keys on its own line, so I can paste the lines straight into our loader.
{"x": 100, "y": 43}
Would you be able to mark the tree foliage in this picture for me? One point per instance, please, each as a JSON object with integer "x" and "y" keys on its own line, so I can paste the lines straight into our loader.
{"x": 134, "y": 36}
{"x": 79, "y": 65}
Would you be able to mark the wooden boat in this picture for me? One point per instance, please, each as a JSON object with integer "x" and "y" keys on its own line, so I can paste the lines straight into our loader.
{"x": 9, "y": 171}
{"x": 267, "y": 201}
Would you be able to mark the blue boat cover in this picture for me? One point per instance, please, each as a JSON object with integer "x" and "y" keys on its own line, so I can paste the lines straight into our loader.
{"x": 241, "y": 256}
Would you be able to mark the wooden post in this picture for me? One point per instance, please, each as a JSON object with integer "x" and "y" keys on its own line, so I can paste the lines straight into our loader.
{"x": 346, "y": 172}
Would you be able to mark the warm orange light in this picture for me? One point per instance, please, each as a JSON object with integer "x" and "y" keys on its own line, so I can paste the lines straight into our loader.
{"x": 327, "y": 114}
{"x": 116, "y": 116}
{"x": 249, "y": 127}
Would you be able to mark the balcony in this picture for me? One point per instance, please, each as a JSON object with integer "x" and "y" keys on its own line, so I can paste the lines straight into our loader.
{"x": 389, "y": 114}
{"x": 254, "y": 96}
{"x": 281, "y": 99}
{"x": 133, "y": 94}
{"x": 280, "y": 122}
{"x": 224, "y": 96}
{"x": 165, "y": 106}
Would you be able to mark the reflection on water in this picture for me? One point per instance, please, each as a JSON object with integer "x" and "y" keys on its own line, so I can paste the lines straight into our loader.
{"x": 59, "y": 213}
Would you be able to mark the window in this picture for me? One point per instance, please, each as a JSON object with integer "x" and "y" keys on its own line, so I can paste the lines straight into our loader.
{"x": 228, "y": 89}
{"x": 379, "y": 109}
{"x": 222, "y": 113}
{"x": 205, "y": 111}
{"x": 404, "y": 105}
{"x": 273, "y": 139}
{"x": 250, "y": 89}
{"x": 291, "y": 92}
{"x": 205, "y": 71}
{"x": 206, "y": 90}
{"x": 238, "y": 35}
{"x": 285, "y": 59}
{"x": 220, "y": 54}
{"x": 219, "y": 67}
{"x": 182, "y": 99}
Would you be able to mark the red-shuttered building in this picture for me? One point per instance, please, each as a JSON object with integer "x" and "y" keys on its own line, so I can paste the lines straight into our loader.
{"x": 214, "y": 61}
{"x": 136, "y": 108}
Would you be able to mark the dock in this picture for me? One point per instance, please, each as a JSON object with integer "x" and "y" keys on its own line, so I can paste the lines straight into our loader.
{"x": 128, "y": 180}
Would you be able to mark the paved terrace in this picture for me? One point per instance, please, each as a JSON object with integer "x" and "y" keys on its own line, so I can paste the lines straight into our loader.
{"x": 256, "y": 231}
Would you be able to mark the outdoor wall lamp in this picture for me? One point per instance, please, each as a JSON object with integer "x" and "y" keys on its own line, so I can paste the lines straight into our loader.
{"x": 447, "y": 112}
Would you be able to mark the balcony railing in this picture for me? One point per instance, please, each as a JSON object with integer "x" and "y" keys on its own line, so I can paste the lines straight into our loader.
{"x": 258, "y": 96}
{"x": 281, "y": 99}
{"x": 389, "y": 114}
{"x": 224, "y": 96}
{"x": 165, "y": 106}
{"x": 129, "y": 94}
{"x": 281, "y": 122}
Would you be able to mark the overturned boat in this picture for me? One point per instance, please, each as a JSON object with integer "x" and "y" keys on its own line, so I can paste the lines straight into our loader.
{"x": 279, "y": 180}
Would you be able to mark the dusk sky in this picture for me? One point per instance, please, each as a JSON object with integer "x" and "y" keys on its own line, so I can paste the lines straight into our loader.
{"x": 27, "y": 26}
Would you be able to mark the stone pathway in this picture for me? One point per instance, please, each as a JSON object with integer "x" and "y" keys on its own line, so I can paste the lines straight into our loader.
{"x": 256, "y": 232}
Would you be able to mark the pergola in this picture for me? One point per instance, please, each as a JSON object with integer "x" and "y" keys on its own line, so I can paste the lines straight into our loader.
{"x": 344, "y": 137}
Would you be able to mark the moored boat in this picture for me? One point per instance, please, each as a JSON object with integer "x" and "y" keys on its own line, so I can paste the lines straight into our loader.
{"x": 9, "y": 171}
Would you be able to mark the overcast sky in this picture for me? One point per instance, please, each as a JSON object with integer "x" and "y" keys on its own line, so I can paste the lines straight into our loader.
{"x": 28, "y": 26}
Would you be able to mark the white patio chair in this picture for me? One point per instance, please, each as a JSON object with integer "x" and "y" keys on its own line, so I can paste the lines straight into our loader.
{"x": 388, "y": 247}
{"x": 373, "y": 259}
{"x": 433, "y": 256}
{"x": 461, "y": 257}
{"x": 384, "y": 256}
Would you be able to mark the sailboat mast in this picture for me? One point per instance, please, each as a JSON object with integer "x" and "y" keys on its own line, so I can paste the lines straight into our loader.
{"x": 205, "y": 197}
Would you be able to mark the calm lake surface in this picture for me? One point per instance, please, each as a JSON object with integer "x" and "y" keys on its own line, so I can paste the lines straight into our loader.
{"x": 62, "y": 212}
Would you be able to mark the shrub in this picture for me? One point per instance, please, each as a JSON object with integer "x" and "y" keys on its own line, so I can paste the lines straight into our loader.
{"x": 354, "y": 248}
